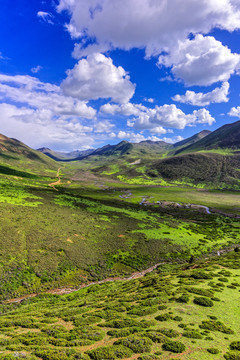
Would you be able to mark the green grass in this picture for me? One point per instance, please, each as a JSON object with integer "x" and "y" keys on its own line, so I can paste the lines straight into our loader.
{"x": 120, "y": 319}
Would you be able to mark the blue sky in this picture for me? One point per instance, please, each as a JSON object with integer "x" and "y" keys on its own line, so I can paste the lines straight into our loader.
{"x": 76, "y": 74}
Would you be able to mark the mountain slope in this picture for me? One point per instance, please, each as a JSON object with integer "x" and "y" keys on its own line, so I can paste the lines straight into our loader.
{"x": 192, "y": 140}
{"x": 16, "y": 154}
{"x": 226, "y": 137}
{"x": 64, "y": 156}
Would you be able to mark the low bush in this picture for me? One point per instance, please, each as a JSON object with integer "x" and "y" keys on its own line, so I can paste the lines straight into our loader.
{"x": 235, "y": 345}
{"x": 174, "y": 346}
{"x": 136, "y": 343}
{"x": 232, "y": 355}
{"x": 213, "y": 351}
{"x": 192, "y": 334}
{"x": 203, "y": 301}
{"x": 110, "y": 353}
{"x": 215, "y": 325}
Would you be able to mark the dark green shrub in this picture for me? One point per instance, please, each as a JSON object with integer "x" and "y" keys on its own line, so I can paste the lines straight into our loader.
{"x": 177, "y": 318}
{"x": 148, "y": 357}
{"x": 214, "y": 325}
{"x": 203, "y": 301}
{"x": 50, "y": 354}
{"x": 169, "y": 332}
{"x": 213, "y": 351}
{"x": 163, "y": 317}
{"x": 192, "y": 334}
{"x": 232, "y": 355}
{"x": 174, "y": 346}
{"x": 162, "y": 307}
{"x": 136, "y": 343}
{"x": 143, "y": 310}
{"x": 155, "y": 336}
{"x": 121, "y": 332}
{"x": 184, "y": 298}
{"x": 235, "y": 345}
{"x": 110, "y": 353}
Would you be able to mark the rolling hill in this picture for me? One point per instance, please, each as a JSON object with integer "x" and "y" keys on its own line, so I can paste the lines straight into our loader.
{"x": 226, "y": 137}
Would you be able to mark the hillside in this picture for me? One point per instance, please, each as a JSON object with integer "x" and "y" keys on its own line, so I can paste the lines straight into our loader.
{"x": 175, "y": 311}
{"x": 190, "y": 141}
{"x": 65, "y": 156}
{"x": 17, "y": 155}
{"x": 226, "y": 137}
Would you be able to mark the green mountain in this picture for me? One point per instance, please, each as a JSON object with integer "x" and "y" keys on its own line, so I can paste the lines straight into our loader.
{"x": 65, "y": 156}
{"x": 15, "y": 154}
{"x": 226, "y": 137}
{"x": 189, "y": 141}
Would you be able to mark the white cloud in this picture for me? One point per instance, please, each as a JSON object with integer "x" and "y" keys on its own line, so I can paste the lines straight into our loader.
{"x": 235, "y": 112}
{"x": 39, "y": 95}
{"x": 39, "y": 114}
{"x": 156, "y": 25}
{"x": 128, "y": 109}
{"x": 150, "y": 100}
{"x": 97, "y": 77}
{"x": 45, "y": 16}
{"x": 170, "y": 116}
{"x": 36, "y": 69}
{"x": 155, "y": 119}
{"x": 201, "y": 61}
{"x": 173, "y": 140}
{"x": 36, "y": 128}
{"x": 218, "y": 95}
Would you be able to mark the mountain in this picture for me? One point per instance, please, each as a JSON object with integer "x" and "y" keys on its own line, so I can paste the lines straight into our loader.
{"x": 64, "y": 156}
{"x": 226, "y": 137}
{"x": 16, "y": 154}
{"x": 192, "y": 140}
{"x": 132, "y": 150}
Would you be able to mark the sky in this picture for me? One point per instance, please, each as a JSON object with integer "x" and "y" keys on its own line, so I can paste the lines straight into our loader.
{"x": 80, "y": 74}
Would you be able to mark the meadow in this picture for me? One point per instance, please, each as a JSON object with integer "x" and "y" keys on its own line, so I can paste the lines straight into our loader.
{"x": 177, "y": 311}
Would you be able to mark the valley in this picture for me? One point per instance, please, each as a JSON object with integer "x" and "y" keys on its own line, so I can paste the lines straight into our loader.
{"x": 143, "y": 239}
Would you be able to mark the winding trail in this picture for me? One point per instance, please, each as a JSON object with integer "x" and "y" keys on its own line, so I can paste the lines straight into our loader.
{"x": 135, "y": 275}
{"x": 56, "y": 182}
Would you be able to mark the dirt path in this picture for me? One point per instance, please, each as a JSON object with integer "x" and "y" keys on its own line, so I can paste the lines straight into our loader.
{"x": 63, "y": 291}
{"x": 56, "y": 182}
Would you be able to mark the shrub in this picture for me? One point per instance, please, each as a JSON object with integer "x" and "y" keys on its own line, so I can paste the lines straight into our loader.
{"x": 235, "y": 345}
{"x": 110, "y": 353}
{"x": 169, "y": 332}
{"x": 155, "y": 336}
{"x": 215, "y": 325}
{"x": 52, "y": 354}
{"x": 203, "y": 301}
{"x": 136, "y": 343}
{"x": 163, "y": 317}
{"x": 174, "y": 346}
{"x": 192, "y": 334}
{"x": 213, "y": 351}
{"x": 184, "y": 298}
{"x": 232, "y": 355}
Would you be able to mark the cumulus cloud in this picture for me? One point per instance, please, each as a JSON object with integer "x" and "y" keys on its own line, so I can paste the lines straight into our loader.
{"x": 36, "y": 128}
{"x": 40, "y": 114}
{"x": 97, "y": 77}
{"x": 45, "y": 16}
{"x": 173, "y": 140}
{"x": 218, "y": 95}
{"x": 201, "y": 61}
{"x": 155, "y": 25}
{"x": 170, "y": 116}
{"x": 157, "y": 118}
{"x": 39, "y": 95}
{"x": 235, "y": 112}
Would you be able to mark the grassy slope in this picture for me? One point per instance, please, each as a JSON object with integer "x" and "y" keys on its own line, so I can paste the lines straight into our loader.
{"x": 145, "y": 316}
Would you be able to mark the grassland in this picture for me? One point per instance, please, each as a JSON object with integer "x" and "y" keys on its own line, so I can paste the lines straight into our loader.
{"x": 178, "y": 311}
{"x": 91, "y": 227}
{"x": 74, "y": 223}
